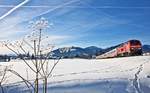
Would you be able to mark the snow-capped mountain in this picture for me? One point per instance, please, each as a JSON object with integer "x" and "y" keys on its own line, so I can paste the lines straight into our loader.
{"x": 92, "y": 50}
{"x": 76, "y": 52}
{"x": 146, "y": 48}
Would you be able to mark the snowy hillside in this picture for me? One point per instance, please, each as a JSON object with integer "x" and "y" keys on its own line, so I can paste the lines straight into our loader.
{"x": 117, "y": 75}
{"x": 76, "y": 52}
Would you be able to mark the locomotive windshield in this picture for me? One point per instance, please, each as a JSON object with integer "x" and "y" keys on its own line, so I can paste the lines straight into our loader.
{"x": 135, "y": 42}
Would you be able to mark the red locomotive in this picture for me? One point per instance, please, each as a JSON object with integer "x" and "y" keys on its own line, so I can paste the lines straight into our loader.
{"x": 129, "y": 48}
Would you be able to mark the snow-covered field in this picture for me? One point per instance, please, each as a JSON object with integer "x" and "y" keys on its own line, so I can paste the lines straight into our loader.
{"x": 117, "y": 75}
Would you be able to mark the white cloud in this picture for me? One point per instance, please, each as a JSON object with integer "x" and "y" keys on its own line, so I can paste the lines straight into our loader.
{"x": 59, "y": 6}
{"x": 11, "y": 23}
{"x": 13, "y": 9}
{"x": 56, "y": 38}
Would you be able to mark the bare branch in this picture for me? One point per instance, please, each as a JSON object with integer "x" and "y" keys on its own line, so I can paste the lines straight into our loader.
{"x": 53, "y": 68}
{"x": 24, "y": 80}
{"x": 28, "y": 65}
{"x": 4, "y": 74}
{"x": 22, "y": 58}
{"x": 11, "y": 49}
{"x": 28, "y": 44}
{"x": 26, "y": 53}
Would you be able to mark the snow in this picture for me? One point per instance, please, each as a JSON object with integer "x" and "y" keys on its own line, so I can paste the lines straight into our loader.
{"x": 116, "y": 75}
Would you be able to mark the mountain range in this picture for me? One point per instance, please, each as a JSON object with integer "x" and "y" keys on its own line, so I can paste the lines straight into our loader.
{"x": 146, "y": 48}
{"x": 76, "y": 52}
{"x": 88, "y": 52}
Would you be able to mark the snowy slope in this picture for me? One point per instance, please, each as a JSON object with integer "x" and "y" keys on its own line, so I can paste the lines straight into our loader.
{"x": 117, "y": 75}
{"x": 77, "y": 52}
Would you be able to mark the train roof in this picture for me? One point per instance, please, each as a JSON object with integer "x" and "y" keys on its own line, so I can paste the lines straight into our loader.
{"x": 134, "y": 40}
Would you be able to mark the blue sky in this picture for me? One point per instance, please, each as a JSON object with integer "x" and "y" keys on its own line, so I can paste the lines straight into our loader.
{"x": 83, "y": 23}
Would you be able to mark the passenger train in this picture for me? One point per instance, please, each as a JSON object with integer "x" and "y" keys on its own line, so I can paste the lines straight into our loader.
{"x": 129, "y": 48}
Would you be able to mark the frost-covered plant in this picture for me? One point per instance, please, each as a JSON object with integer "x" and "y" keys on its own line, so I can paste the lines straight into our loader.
{"x": 34, "y": 47}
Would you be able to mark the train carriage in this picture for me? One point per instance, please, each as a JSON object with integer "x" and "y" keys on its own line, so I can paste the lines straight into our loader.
{"x": 109, "y": 54}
